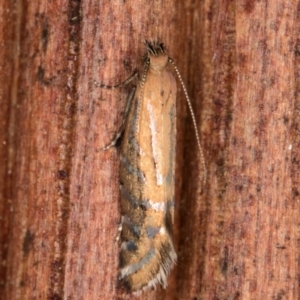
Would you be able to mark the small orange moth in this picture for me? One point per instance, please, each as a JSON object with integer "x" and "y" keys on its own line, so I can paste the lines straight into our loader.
{"x": 147, "y": 173}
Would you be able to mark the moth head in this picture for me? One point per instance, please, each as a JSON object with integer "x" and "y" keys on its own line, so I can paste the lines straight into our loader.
{"x": 157, "y": 56}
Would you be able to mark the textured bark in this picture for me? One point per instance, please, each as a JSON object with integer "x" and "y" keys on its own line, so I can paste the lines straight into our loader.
{"x": 237, "y": 237}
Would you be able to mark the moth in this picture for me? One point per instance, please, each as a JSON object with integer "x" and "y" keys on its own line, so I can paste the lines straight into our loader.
{"x": 147, "y": 173}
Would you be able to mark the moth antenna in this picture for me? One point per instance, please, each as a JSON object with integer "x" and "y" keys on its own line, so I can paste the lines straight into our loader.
{"x": 193, "y": 119}
{"x": 143, "y": 79}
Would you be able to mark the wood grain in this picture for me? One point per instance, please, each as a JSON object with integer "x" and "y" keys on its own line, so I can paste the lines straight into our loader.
{"x": 237, "y": 237}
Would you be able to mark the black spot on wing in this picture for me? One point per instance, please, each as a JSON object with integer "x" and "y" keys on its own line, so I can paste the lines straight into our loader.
{"x": 169, "y": 218}
{"x": 131, "y": 246}
{"x": 123, "y": 259}
{"x": 127, "y": 284}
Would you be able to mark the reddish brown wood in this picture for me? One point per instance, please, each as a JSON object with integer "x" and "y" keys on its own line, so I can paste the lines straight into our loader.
{"x": 39, "y": 197}
{"x": 237, "y": 237}
{"x": 8, "y": 65}
{"x": 246, "y": 246}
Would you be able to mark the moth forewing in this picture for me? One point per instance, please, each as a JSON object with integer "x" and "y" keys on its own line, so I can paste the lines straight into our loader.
{"x": 147, "y": 178}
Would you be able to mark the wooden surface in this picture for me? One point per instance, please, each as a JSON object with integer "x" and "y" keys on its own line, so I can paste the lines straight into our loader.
{"x": 237, "y": 237}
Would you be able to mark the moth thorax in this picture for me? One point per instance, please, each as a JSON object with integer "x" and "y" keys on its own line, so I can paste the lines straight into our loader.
{"x": 158, "y": 63}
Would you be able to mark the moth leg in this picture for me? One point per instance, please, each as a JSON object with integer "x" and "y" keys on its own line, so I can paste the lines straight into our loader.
{"x": 122, "y": 127}
{"x": 112, "y": 87}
